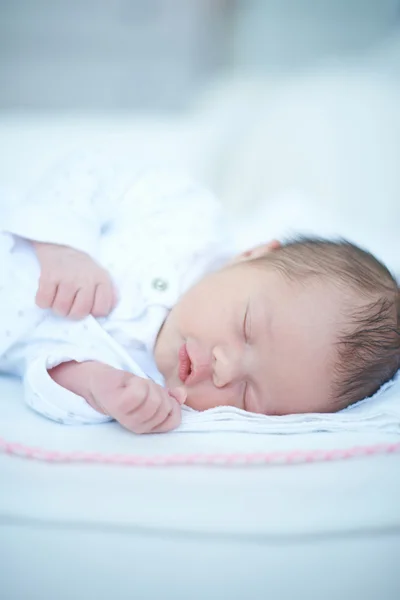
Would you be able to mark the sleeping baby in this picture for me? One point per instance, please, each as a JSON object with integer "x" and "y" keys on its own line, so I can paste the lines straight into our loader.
{"x": 122, "y": 300}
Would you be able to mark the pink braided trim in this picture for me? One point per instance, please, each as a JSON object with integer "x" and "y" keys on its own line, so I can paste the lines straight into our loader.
{"x": 221, "y": 459}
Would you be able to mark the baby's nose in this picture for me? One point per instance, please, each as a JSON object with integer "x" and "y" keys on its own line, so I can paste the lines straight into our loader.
{"x": 226, "y": 366}
{"x": 203, "y": 372}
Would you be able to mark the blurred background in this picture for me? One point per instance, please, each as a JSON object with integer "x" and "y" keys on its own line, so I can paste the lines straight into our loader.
{"x": 261, "y": 99}
{"x": 129, "y": 54}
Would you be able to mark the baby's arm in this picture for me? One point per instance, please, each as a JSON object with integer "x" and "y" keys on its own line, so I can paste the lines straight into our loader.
{"x": 138, "y": 404}
{"x": 72, "y": 376}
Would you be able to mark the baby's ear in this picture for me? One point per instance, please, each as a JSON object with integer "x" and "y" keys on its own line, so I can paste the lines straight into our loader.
{"x": 258, "y": 251}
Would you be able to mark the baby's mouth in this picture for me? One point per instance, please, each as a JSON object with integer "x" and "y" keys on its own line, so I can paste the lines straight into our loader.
{"x": 185, "y": 364}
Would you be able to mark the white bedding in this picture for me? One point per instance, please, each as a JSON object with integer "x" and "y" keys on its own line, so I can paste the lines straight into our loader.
{"x": 240, "y": 528}
{"x": 78, "y": 530}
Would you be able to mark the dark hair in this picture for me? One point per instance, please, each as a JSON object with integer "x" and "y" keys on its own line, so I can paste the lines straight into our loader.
{"x": 368, "y": 349}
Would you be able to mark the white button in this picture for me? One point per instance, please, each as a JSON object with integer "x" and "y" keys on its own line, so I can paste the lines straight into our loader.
{"x": 159, "y": 284}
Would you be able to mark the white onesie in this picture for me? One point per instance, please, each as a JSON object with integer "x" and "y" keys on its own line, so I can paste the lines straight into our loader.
{"x": 153, "y": 229}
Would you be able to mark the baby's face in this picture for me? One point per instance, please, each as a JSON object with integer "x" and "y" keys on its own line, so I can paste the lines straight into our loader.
{"x": 247, "y": 337}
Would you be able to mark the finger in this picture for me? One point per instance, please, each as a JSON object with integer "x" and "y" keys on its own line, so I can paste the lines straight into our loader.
{"x": 160, "y": 415}
{"x": 46, "y": 293}
{"x": 103, "y": 300}
{"x": 64, "y": 299}
{"x": 83, "y": 303}
{"x": 134, "y": 396}
{"x": 179, "y": 393}
{"x": 172, "y": 420}
{"x": 115, "y": 297}
{"x": 150, "y": 413}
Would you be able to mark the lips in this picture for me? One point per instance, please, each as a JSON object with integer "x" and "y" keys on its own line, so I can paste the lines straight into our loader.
{"x": 194, "y": 365}
{"x": 185, "y": 364}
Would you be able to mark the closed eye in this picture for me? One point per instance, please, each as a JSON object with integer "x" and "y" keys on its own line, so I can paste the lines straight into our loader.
{"x": 247, "y": 326}
{"x": 244, "y": 396}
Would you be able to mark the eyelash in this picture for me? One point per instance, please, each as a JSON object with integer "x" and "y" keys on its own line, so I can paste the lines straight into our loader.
{"x": 246, "y": 334}
{"x": 246, "y": 327}
{"x": 245, "y": 395}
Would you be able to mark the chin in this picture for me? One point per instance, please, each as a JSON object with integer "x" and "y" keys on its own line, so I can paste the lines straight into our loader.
{"x": 197, "y": 404}
{"x": 189, "y": 403}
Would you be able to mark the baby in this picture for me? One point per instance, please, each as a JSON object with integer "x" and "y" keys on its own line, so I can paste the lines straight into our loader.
{"x": 140, "y": 306}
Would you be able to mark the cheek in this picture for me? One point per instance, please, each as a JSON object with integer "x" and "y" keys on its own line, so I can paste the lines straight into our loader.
{"x": 204, "y": 321}
{"x": 206, "y": 396}
{"x": 203, "y": 303}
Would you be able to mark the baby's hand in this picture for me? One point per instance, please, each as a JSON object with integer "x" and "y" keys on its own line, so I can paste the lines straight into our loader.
{"x": 72, "y": 283}
{"x": 140, "y": 405}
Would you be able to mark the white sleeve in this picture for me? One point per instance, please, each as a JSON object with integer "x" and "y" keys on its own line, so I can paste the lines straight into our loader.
{"x": 73, "y": 201}
{"x": 51, "y": 400}
{"x": 54, "y": 341}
